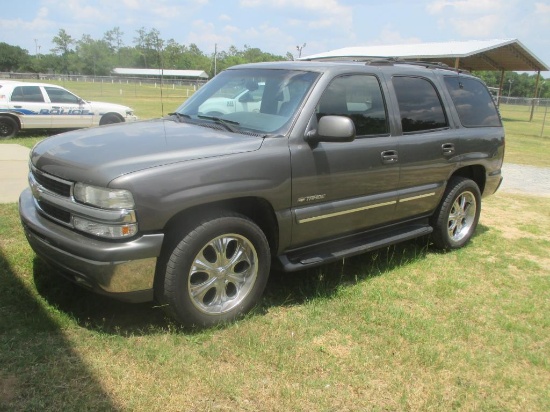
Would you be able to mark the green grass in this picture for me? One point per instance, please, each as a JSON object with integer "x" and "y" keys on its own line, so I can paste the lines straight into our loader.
{"x": 403, "y": 328}
{"x": 526, "y": 141}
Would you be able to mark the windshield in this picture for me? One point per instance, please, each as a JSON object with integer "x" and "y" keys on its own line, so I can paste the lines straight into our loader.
{"x": 262, "y": 101}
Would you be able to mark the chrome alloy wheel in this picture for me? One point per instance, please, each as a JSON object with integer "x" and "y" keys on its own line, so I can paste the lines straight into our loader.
{"x": 462, "y": 216}
{"x": 222, "y": 274}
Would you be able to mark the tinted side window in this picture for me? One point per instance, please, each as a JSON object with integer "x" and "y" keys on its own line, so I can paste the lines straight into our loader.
{"x": 61, "y": 96}
{"x": 27, "y": 94}
{"x": 360, "y": 98}
{"x": 473, "y": 102}
{"x": 419, "y": 104}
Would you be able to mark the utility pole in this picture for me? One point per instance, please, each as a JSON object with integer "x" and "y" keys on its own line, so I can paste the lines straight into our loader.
{"x": 215, "y": 59}
{"x": 299, "y": 48}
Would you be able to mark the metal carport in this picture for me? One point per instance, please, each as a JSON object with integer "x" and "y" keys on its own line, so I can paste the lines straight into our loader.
{"x": 500, "y": 54}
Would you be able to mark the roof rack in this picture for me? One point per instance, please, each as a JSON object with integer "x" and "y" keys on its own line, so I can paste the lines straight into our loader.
{"x": 387, "y": 61}
{"x": 429, "y": 65}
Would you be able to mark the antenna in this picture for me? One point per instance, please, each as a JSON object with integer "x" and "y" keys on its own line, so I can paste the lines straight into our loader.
{"x": 215, "y": 58}
{"x": 161, "y": 64}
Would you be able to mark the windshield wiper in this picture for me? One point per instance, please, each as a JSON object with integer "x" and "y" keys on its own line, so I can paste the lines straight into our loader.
{"x": 224, "y": 122}
{"x": 180, "y": 116}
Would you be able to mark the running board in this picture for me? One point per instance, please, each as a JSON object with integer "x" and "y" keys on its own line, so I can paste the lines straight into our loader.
{"x": 350, "y": 246}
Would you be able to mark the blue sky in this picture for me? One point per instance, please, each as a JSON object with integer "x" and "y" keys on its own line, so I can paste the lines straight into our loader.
{"x": 278, "y": 26}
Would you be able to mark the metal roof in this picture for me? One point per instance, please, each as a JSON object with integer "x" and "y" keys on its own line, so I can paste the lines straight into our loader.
{"x": 500, "y": 54}
{"x": 158, "y": 72}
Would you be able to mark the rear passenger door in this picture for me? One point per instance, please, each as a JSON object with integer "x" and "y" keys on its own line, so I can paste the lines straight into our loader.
{"x": 31, "y": 106}
{"x": 427, "y": 145}
{"x": 341, "y": 188}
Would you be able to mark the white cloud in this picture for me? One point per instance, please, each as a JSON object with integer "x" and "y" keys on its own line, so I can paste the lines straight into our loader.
{"x": 320, "y": 14}
{"x": 38, "y": 24}
{"x": 389, "y": 35}
{"x": 542, "y": 8}
{"x": 203, "y": 34}
{"x": 132, "y": 4}
{"x": 231, "y": 29}
{"x": 466, "y": 6}
{"x": 476, "y": 18}
{"x": 480, "y": 27}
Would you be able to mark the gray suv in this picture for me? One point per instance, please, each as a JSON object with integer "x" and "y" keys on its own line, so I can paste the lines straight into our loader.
{"x": 318, "y": 161}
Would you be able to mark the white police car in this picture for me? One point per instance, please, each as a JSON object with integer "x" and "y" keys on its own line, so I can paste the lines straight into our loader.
{"x": 26, "y": 105}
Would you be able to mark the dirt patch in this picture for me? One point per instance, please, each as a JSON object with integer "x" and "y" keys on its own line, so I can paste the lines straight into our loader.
{"x": 515, "y": 220}
{"x": 9, "y": 386}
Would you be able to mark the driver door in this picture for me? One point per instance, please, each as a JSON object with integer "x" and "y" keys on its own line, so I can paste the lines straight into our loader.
{"x": 347, "y": 187}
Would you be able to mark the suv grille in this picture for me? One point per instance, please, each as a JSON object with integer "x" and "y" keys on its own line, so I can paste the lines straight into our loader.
{"x": 53, "y": 185}
{"x": 55, "y": 212}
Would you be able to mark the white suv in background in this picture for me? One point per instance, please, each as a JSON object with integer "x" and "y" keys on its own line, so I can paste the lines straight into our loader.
{"x": 235, "y": 98}
{"x": 26, "y": 105}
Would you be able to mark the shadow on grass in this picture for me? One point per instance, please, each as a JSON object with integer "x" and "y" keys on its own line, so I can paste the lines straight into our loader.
{"x": 39, "y": 370}
{"x": 287, "y": 289}
{"x": 94, "y": 311}
{"x": 108, "y": 315}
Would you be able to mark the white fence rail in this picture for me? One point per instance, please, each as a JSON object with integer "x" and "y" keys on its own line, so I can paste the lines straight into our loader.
{"x": 170, "y": 81}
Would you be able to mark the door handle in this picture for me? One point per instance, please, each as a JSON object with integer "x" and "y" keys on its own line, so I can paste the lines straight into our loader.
{"x": 389, "y": 156}
{"x": 18, "y": 107}
{"x": 448, "y": 149}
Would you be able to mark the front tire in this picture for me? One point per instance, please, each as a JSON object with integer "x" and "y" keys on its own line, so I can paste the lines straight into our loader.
{"x": 216, "y": 272}
{"x": 110, "y": 118}
{"x": 455, "y": 220}
{"x": 8, "y": 127}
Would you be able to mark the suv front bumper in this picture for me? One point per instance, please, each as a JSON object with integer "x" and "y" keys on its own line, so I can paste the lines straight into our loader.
{"x": 124, "y": 270}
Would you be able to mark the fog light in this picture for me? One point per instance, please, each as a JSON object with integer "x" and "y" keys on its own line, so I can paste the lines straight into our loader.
{"x": 104, "y": 230}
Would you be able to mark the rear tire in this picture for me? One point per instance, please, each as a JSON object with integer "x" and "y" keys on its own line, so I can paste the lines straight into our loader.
{"x": 8, "y": 127}
{"x": 455, "y": 220}
{"x": 216, "y": 272}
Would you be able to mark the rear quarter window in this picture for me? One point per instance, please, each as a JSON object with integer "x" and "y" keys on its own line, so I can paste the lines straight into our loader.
{"x": 473, "y": 102}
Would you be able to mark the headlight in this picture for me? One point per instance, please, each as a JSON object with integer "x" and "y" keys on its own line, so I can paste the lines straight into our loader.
{"x": 129, "y": 112}
{"x": 102, "y": 197}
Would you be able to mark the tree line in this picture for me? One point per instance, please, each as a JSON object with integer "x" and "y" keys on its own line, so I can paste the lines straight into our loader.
{"x": 516, "y": 84}
{"x": 98, "y": 57}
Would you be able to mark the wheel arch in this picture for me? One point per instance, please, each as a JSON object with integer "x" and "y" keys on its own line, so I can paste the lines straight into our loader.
{"x": 256, "y": 209}
{"x": 110, "y": 114}
{"x": 472, "y": 172}
{"x": 13, "y": 116}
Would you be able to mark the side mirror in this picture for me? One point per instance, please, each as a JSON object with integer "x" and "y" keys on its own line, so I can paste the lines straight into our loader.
{"x": 334, "y": 129}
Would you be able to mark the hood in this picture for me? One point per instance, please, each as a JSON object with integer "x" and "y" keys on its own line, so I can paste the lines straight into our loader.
{"x": 100, "y": 154}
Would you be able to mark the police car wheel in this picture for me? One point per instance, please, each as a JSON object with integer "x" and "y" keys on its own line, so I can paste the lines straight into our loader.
{"x": 110, "y": 119}
{"x": 8, "y": 127}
